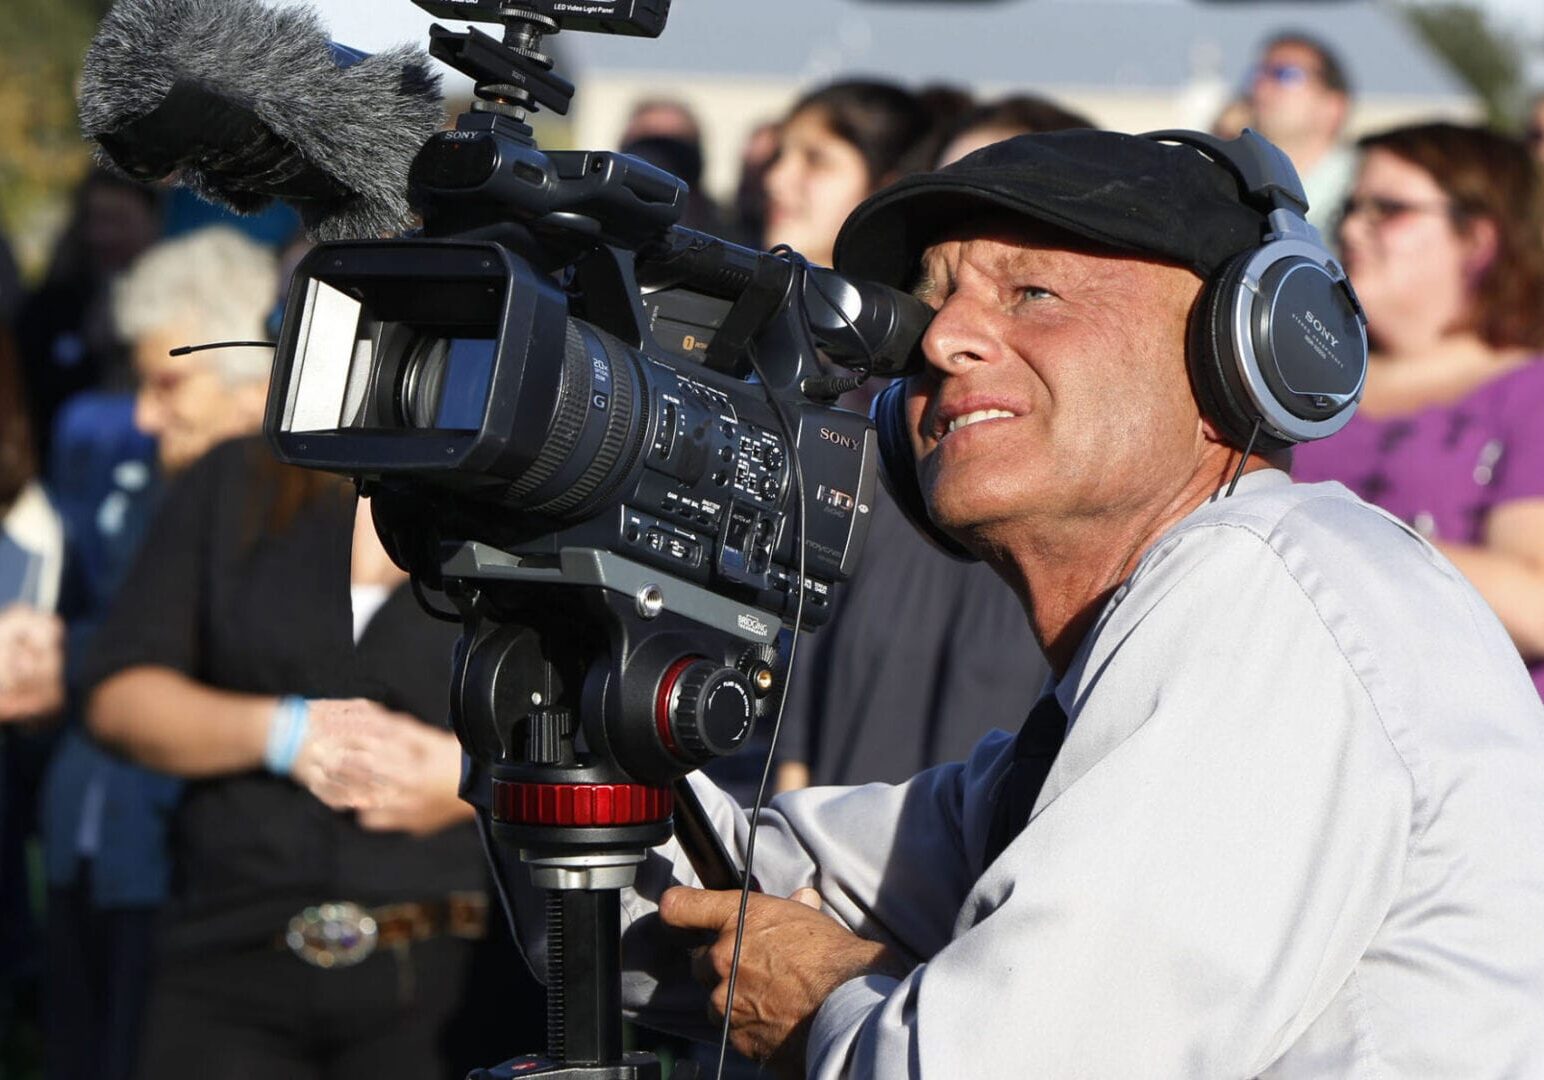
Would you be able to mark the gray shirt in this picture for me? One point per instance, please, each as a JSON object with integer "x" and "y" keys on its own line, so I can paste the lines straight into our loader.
{"x": 1296, "y": 830}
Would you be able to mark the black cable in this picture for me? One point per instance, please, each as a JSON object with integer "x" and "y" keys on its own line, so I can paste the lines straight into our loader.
{"x": 430, "y": 609}
{"x": 183, "y": 350}
{"x": 831, "y": 387}
{"x": 1243, "y": 460}
{"x": 782, "y": 703}
{"x": 868, "y": 351}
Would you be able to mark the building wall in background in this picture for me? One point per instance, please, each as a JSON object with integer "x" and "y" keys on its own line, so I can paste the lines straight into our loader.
{"x": 1131, "y": 65}
{"x": 731, "y": 108}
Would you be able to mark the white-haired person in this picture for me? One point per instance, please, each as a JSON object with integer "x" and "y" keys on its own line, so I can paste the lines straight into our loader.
{"x": 208, "y": 286}
{"x": 256, "y": 634}
{"x": 104, "y": 820}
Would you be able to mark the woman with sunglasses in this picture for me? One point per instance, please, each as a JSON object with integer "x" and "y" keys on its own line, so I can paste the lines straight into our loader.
{"x": 1443, "y": 238}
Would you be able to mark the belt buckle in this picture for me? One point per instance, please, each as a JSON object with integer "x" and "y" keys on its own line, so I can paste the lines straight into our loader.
{"x": 333, "y": 935}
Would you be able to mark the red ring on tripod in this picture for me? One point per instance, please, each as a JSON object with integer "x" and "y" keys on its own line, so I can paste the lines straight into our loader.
{"x": 516, "y": 803}
{"x": 667, "y": 685}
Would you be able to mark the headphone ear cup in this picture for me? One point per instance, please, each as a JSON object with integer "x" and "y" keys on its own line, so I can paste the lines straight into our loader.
{"x": 898, "y": 468}
{"x": 1214, "y": 359}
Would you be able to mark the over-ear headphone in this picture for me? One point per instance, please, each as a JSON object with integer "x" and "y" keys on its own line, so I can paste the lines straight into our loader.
{"x": 1277, "y": 345}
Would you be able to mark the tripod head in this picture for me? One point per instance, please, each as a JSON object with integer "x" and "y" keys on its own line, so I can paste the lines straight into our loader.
{"x": 584, "y": 688}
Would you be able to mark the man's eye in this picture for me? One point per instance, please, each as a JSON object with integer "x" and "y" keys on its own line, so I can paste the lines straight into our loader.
{"x": 1036, "y": 292}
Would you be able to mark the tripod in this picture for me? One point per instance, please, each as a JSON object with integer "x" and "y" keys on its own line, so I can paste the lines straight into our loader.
{"x": 584, "y": 1003}
{"x": 589, "y": 702}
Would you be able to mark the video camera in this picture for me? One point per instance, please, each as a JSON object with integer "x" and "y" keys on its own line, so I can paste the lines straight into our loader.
{"x": 556, "y": 384}
{"x": 611, "y": 442}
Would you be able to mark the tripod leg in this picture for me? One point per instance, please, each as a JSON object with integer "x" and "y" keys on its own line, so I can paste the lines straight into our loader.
{"x": 585, "y": 976}
{"x": 555, "y": 970}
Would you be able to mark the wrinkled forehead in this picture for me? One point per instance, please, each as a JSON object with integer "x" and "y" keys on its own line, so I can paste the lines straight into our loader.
{"x": 1005, "y": 244}
{"x": 1002, "y": 238}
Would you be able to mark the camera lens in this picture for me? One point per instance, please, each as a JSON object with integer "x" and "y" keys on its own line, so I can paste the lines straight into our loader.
{"x": 422, "y": 382}
{"x": 595, "y": 434}
{"x": 442, "y": 383}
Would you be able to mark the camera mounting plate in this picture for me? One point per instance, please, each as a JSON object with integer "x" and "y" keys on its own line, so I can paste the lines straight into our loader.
{"x": 633, "y": 18}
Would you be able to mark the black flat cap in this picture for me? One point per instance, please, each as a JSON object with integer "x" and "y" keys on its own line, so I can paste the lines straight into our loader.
{"x": 1128, "y": 192}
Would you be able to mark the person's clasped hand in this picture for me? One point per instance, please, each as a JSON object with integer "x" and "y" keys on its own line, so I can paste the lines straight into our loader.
{"x": 397, "y": 774}
{"x": 31, "y": 663}
{"x": 792, "y": 958}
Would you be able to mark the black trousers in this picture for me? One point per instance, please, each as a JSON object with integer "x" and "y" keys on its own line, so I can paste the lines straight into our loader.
{"x": 264, "y": 1013}
{"x": 94, "y": 981}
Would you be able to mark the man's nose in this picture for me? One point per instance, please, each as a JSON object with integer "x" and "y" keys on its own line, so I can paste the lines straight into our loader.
{"x": 958, "y": 336}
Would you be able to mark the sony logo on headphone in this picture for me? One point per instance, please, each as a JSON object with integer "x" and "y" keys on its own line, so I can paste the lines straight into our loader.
{"x": 1323, "y": 331}
{"x": 846, "y": 442}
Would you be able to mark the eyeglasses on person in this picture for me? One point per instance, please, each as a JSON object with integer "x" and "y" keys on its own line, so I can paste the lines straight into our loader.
{"x": 1286, "y": 74}
{"x": 1379, "y": 209}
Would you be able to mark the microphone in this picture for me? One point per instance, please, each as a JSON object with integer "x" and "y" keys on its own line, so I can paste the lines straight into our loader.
{"x": 243, "y": 103}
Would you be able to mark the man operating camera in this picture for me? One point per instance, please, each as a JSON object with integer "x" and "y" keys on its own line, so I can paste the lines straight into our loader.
{"x": 1277, "y": 812}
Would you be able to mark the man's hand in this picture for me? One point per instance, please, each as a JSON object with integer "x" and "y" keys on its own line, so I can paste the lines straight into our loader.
{"x": 398, "y": 774}
{"x": 792, "y": 957}
{"x": 31, "y": 663}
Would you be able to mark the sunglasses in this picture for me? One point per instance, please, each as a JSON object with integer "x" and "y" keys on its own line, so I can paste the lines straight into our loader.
{"x": 1377, "y": 209}
{"x": 1285, "y": 74}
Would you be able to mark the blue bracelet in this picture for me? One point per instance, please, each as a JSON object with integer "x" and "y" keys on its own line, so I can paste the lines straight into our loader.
{"x": 286, "y": 732}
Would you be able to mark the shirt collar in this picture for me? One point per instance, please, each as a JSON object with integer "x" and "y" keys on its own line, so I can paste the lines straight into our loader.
{"x": 1065, "y": 688}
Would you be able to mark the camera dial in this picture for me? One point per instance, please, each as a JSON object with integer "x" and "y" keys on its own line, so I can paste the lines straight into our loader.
{"x": 704, "y": 709}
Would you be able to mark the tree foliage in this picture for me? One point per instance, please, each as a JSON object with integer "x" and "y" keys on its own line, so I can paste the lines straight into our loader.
{"x": 1485, "y": 58}
{"x": 41, "y": 151}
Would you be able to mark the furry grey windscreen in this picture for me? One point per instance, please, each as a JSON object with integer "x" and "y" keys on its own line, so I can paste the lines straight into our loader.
{"x": 362, "y": 125}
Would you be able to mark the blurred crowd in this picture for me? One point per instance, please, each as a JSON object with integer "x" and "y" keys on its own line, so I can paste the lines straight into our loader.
{"x": 197, "y": 644}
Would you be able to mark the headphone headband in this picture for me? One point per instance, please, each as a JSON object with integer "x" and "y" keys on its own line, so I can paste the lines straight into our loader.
{"x": 1265, "y": 174}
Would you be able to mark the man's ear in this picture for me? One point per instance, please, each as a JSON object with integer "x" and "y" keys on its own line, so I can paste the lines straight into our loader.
{"x": 1211, "y": 433}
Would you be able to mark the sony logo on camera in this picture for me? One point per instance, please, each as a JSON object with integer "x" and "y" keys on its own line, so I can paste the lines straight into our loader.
{"x": 845, "y": 441}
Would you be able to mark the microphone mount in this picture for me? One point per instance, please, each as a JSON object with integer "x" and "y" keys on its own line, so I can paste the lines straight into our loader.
{"x": 513, "y": 78}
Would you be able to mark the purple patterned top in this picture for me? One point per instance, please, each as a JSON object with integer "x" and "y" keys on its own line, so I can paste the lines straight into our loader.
{"x": 1443, "y": 468}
